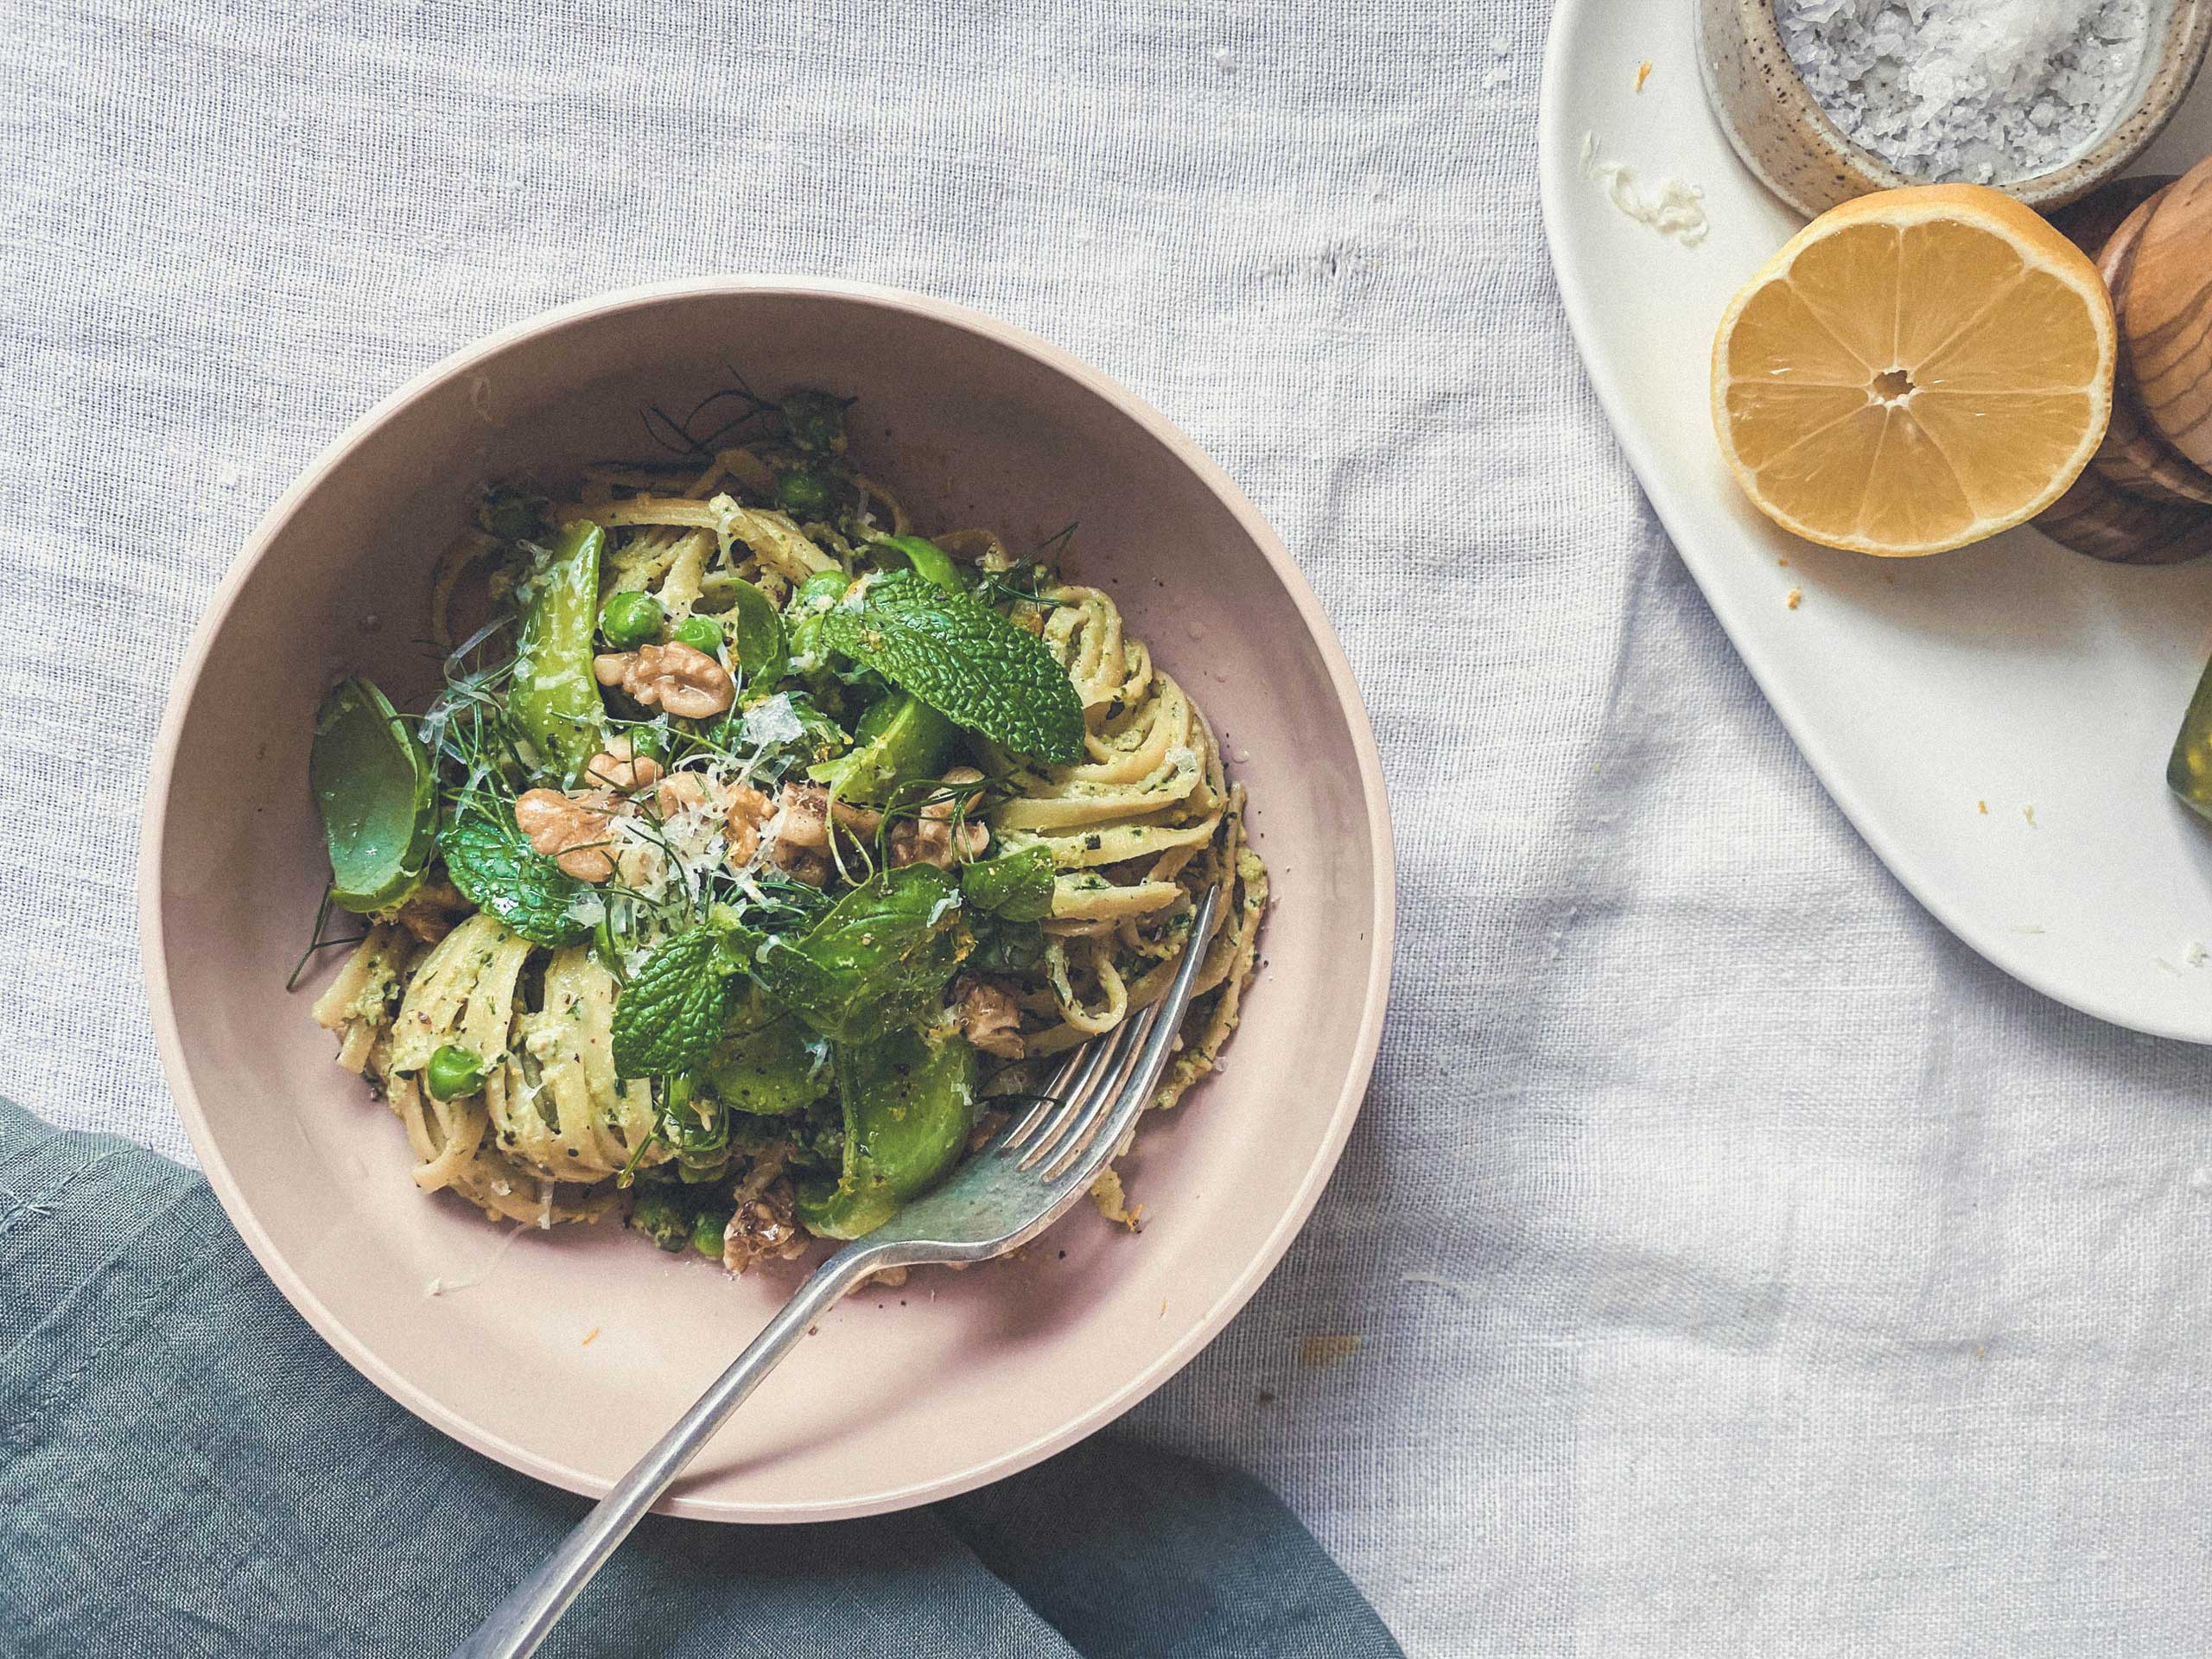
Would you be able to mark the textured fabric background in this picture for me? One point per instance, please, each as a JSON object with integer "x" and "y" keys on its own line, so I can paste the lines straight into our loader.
{"x": 1741, "y": 1266}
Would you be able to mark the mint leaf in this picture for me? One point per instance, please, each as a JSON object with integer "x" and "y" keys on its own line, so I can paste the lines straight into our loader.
{"x": 499, "y": 872}
{"x": 965, "y": 661}
{"x": 875, "y": 961}
{"x": 671, "y": 1013}
{"x": 1017, "y": 885}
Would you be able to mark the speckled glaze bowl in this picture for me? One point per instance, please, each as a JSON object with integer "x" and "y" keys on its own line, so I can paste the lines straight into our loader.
{"x": 565, "y": 1354}
{"x": 1797, "y": 152}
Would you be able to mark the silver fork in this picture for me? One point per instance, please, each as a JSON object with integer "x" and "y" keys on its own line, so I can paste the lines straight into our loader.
{"x": 1025, "y": 1179}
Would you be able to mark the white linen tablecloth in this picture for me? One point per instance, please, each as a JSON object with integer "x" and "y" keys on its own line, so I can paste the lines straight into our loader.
{"x": 1740, "y": 1265}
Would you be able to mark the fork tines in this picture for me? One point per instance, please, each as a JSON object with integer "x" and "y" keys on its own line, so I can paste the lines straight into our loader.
{"x": 1111, "y": 1076}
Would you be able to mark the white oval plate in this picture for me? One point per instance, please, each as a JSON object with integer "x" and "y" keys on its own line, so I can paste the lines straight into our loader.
{"x": 1995, "y": 721}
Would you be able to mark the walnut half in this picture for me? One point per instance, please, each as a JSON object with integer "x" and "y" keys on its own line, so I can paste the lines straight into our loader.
{"x": 987, "y": 1015}
{"x": 576, "y": 831}
{"x": 618, "y": 767}
{"x": 686, "y": 682}
{"x": 930, "y": 836}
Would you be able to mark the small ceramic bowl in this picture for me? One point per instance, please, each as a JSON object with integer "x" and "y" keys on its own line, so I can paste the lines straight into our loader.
{"x": 565, "y": 1354}
{"x": 1797, "y": 152}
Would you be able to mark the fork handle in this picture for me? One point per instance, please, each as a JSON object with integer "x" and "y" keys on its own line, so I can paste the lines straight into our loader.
{"x": 524, "y": 1619}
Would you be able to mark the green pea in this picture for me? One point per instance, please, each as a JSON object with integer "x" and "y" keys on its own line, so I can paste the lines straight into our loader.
{"x": 701, "y": 634}
{"x": 707, "y": 1231}
{"x": 829, "y": 585}
{"x": 815, "y": 421}
{"x": 660, "y": 1213}
{"x": 453, "y": 1072}
{"x": 631, "y": 619}
{"x": 803, "y": 493}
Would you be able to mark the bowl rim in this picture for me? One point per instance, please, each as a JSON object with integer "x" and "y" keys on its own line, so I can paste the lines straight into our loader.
{"x": 153, "y": 941}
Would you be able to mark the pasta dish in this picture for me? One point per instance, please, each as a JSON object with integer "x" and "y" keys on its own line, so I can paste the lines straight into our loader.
{"x": 759, "y": 851}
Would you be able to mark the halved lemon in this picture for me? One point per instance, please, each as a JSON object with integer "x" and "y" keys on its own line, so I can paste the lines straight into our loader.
{"x": 1916, "y": 370}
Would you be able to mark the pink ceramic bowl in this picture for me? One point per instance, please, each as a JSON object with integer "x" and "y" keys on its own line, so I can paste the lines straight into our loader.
{"x": 579, "y": 1347}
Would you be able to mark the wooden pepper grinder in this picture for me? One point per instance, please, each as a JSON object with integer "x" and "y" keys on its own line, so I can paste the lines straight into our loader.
{"x": 2147, "y": 497}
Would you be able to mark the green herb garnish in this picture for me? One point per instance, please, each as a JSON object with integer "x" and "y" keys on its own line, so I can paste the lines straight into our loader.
{"x": 552, "y": 694}
{"x": 1017, "y": 885}
{"x": 377, "y": 791}
{"x": 499, "y": 872}
{"x": 671, "y": 1013}
{"x": 964, "y": 660}
{"x": 756, "y": 636}
{"x": 876, "y": 960}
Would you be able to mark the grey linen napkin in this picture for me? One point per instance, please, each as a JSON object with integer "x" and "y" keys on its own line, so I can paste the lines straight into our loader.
{"x": 188, "y": 1470}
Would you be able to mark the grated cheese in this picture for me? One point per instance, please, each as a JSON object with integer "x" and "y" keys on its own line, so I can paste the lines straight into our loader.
{"x": 1673, "y": 208}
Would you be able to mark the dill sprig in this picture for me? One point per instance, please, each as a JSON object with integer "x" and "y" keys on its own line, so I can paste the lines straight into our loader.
{"x": 1025, "y": 583}
{"x": 677, "y": 435}
{"x": 629, "y": 1171}
{"x": 912, "y": 801}
{"x": 316, "y": 941}
{"x": 477, "y": 745}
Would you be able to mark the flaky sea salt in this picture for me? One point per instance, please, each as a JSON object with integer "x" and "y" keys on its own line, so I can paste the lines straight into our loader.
{"x": 1983, "y": 91}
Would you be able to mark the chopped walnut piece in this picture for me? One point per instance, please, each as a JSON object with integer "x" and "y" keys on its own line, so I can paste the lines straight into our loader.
{"x": 763, "y": 1227}
{"x": 804, "y": 819}
{"x": 987, "y": 1015}
{"x": 675, "y": 676}
{"x": 798, "y": 835}
{"x": 618, "y": 766}
{"x": 680, "y": 790}
{"x": 800, "y": 865}
{"x": 576, "y": 831}
{"x": 930, "y": 838}
{"x": 431, "y": 911}
{"x": 639, "y": 864}
{"x": 742, "y": 810}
